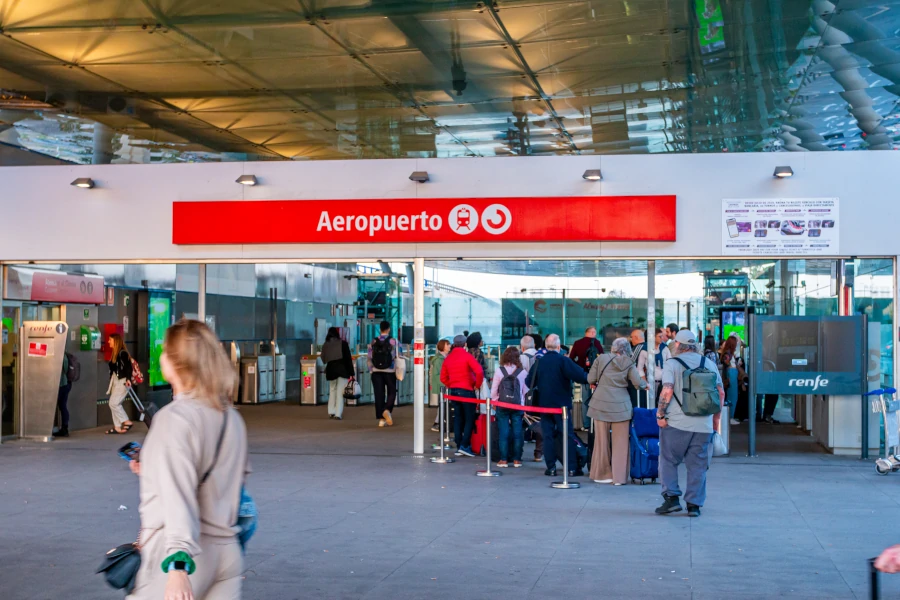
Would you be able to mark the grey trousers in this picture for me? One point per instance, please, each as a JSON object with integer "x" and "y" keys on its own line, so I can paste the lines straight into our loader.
{"x": 692, "y": 449}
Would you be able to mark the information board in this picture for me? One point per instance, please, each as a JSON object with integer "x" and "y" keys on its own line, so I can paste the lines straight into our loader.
{"x": 780, "y": 227}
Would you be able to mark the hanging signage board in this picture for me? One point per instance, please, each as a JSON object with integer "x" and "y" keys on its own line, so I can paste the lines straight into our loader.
{"x": 23, "y": 283}
{"x": 781, "y": 226}
{"x": 808, "y": 355}
{"x": 443, "y": 220}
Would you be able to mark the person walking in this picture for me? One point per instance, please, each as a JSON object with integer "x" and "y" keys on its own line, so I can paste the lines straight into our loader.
{"x": 434, "y": 378}
{"x": 382, "y": 363}
{"x": 120, "y": 373}
{"x": 62, "y": 398}
{"x": 509, "y": 386}
{"x": 611, "y": 411}
{"x": 553, "y": 376}
{"x": 528, "y": 357}
{"x": 682, "y": 438}
{"x": 192, "y": 468}
{"x": 584, "y": 352}
{"x": 462, "y": 375}
{"x": 660, "y": 355}
{"x": 727, "y": 364}
{"x": 338, "y": 371}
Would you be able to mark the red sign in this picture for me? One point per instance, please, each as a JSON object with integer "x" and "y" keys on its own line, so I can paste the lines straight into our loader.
{"x": 419, "y": 361}
{"x": 307, "y": 382}
{"x": 563, "y": 219}
{"x": 36, "y": 349}
{"x": 47, "y": 286}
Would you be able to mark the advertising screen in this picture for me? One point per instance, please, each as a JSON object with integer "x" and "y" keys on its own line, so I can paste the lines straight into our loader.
{"x": 159, "y": 318}
{"x": 734, "y": 321}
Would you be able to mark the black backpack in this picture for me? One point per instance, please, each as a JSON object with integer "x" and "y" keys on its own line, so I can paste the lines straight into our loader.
{"x": 382, "y": 353}
{"x": 73, "y": 373}
{"x": 510, "y": 391}
{"x": 591, "y": 355}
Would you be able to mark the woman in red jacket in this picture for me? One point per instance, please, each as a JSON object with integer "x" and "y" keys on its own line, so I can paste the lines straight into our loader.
{"x": 462, "y": 375}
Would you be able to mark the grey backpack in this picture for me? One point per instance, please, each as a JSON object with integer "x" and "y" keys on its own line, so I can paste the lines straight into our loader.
{"x": 700, "y": 391}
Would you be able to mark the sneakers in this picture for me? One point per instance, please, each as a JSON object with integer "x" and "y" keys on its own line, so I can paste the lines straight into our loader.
{"x": 670, "y": 505}
{"x": 458, "y": 453}
{"x": 771, "y": 421}
{"x": 466, "y": 452}
{"x": 603, "y": 481}
{"x": 538, "y": 458}
{"x": 502, "y": 465}
{"x": 517, "y": 464}
{"x": 435, "y": 428}
{"x": 62, "y": 433}
{"x": 330, "y": 416}
{"x": 693, "y": 510}
{"x": 576, "y": 473}
{"x": 387, "y": 418}
{"x": 735, "y": 422}
{"x": 550, "y": 472}
{"x": 381, "y": 422}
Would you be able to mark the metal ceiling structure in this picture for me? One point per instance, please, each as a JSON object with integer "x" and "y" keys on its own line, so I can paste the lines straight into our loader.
{"x": 139, "y": 81}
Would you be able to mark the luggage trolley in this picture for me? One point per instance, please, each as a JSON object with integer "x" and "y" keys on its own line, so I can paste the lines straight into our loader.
{"x": 884, "y": 402}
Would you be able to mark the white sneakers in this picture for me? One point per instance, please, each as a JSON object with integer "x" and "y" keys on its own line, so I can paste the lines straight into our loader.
{"x": 603, "y": 481}
{"x": 387, "y": 418}
{"x": 381, "y": 422}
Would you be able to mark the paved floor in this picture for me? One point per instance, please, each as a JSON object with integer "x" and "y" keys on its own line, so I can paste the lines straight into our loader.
{"x": 348, "y": 513}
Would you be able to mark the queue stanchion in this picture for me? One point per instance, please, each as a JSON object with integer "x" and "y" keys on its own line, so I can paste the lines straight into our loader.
{"x": 487, "y": 442}
{"x": 444, "y": 418}
{"x": 565, "y": 484}
{"x": 442, "y": 412}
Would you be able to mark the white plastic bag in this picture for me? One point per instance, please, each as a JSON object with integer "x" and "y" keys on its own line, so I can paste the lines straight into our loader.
{"x": 718, "y": 445}
{"x": 400, "y": 367}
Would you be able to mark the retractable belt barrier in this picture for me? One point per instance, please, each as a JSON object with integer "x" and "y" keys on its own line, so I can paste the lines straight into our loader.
{"x": 560, "y": 485}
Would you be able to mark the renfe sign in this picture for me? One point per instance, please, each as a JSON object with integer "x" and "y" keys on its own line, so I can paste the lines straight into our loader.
{"x": 522, "y": 219}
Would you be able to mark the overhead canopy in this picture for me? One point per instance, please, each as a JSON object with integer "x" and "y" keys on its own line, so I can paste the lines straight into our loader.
{"x": 192, "y": 80}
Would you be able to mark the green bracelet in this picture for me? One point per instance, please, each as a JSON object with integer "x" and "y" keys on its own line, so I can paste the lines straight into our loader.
{"x": 170, "y": 563}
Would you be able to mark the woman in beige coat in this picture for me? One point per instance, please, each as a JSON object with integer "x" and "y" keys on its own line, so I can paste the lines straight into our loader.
{"x": 189, "y": 545}
{"x": 611, "y": 411}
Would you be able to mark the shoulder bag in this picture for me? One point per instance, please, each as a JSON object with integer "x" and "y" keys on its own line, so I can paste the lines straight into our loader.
{"x": 120, "y": 565}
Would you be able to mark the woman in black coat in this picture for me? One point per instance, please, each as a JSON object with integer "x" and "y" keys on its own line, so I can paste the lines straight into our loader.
{"x": 338, "y": 370}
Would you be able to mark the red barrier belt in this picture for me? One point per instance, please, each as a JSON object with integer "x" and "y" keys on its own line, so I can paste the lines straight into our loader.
{"x": 536, "y": 409}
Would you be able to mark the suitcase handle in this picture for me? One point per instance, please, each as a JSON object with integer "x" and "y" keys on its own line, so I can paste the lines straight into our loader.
{"x": 874, "y": 581}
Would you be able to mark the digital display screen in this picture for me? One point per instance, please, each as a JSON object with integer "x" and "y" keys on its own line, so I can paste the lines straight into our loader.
{"x": 734, "y": 321}
{"x": 159, "y": 318}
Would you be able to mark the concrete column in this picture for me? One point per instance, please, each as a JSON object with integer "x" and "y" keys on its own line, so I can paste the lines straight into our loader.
{"x": 201, "y": 293}
{"x": 101, "y": 150}
{"x": 419, "y": 357}
{"x": 651, "y": 333}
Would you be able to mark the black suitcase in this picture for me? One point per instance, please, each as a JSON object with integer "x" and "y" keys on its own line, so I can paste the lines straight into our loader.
{"x": 147, "y": 412}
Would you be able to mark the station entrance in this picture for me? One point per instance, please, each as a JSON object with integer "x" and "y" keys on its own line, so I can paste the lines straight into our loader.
{"x": 273, "y": 319}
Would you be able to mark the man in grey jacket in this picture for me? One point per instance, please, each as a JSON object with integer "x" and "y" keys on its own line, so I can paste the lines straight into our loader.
{"x": 684, "y": 438}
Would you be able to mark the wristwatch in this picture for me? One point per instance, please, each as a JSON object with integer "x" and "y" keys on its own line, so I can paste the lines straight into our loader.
{"x": 660, "y": 417}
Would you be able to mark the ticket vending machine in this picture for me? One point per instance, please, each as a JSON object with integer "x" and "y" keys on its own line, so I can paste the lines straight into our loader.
{"x": 42, "y": 345}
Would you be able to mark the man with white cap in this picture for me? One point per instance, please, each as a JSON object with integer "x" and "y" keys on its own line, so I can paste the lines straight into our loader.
{"x": 696, "y": 386}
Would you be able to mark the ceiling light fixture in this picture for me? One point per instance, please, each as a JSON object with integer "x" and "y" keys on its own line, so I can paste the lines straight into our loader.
{"x": 592, "y": 175}
{"x": 246, "y": 180}
{"x": 419, "y": 176}
{"x": 783, "y": 172}
{"x": 83, "y": 182}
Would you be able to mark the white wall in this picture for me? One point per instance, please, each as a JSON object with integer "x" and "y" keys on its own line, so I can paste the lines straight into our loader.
{"x": 128, "y": 216}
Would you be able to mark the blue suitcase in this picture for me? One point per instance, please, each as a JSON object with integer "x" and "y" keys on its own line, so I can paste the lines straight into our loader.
{"x": 644, "y": 446}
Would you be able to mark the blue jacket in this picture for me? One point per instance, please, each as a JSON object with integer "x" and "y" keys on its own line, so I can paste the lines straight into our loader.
{"x": 555, "y": 374}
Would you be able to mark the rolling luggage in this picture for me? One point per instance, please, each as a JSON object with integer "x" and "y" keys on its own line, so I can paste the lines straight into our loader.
{"x": 644, "y": 446}
{"x": 147, "y": 412}
{"x": 580, "y": 460}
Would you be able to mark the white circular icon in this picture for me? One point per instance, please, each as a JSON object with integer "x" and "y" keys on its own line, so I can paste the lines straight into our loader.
{"x": 496, "y": 219}
{"x": 463, "y": 219}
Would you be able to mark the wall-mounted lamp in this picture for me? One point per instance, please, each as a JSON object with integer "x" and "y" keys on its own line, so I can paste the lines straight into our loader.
{"x": 592, "y": 175}
{"x": 83, "y": 182}
{"x": 246, "y": 180}
{"x": 419, "y": 176}
{"x": 783, "y": 172}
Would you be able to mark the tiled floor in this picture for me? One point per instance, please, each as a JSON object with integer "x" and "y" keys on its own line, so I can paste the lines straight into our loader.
{"x": 347, "y": 512}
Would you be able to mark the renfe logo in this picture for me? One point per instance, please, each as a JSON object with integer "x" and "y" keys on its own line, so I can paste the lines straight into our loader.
{"x": 813, "y": 383}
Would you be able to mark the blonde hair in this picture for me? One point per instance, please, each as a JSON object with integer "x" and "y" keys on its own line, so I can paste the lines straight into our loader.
{"x": 117, "y": 344}
{"x": 198, "y": 357}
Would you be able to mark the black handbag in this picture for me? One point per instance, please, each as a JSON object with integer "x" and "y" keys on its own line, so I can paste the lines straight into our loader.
{"x": 120, "y": 567}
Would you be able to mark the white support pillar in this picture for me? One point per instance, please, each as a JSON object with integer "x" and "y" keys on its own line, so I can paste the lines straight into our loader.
{"x": 419, "y": 358}
{"x": 201, "y": 293}
{"x": 651, "y": 333}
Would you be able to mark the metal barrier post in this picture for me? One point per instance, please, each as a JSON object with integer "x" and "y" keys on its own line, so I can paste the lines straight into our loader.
{"x": 444, "y": 418}
{"x": 442, "y": 409}
{"x": 487, "y": 441}
{"x": 565, "y": 484}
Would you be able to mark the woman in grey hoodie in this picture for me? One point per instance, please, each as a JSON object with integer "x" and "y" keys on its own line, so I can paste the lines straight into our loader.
{"x": 610, "y": 408}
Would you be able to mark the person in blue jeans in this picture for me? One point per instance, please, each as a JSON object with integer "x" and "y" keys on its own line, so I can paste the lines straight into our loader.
{"x": 508, "y": 386}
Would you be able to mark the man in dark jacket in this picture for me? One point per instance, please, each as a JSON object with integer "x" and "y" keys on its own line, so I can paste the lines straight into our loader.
{"x": 584, "y": 352}
{"x": 553, "y": 380}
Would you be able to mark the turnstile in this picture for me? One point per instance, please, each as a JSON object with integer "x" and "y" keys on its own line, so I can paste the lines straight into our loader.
{"x": 256, "y": 379}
